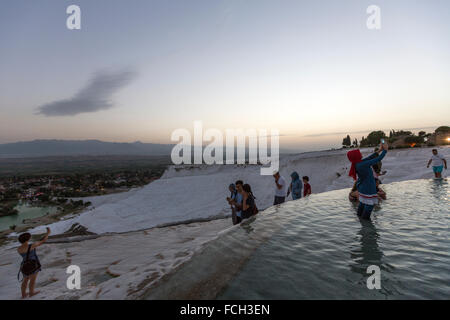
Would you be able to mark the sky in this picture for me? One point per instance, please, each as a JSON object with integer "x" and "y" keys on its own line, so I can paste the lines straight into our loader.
{"x": 138, "y": 70}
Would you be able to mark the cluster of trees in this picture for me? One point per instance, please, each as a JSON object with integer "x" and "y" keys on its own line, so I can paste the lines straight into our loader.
{"x": 347, "y": 142}
{"x": 374, "y": 138}
{"x": 394, "y": 134}
{"x": 443, "y": 129}
{"x": 414, "y": 139}
{"x": 66, "y": 205}
{"x": 409, "y": 137}
{"x": 10, "y": 194}
{"x": 8, "y": 209}
{"x": 77, "y": 204}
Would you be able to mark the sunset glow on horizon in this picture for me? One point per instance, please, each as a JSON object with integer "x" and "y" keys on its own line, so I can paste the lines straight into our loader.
{"x": 307, "y": 69}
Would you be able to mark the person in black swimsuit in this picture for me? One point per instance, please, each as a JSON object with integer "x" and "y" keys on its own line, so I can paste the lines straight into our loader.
{"x": 30, "y": 249}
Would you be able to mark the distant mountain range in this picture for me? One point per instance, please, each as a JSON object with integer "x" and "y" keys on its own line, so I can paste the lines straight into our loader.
{"x": 42, "y": 148}
{"x": 45, "y": 148}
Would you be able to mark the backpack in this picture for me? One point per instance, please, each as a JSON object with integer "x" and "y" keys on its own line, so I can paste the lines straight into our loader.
{"x": 254, "y": 210}
{"x": 254, "y": 207}
{"x": 28, "y": 266}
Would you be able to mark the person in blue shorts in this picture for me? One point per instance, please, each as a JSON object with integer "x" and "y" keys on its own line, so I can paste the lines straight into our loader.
{"x": 439, "y": 163}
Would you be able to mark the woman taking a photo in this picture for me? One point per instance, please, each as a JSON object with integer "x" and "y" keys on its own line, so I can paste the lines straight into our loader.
{"x": 30, "y": 266}
{"x": 361, "y": 171}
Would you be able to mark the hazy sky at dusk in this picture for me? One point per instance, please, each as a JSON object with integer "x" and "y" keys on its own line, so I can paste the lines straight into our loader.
{"x": 303, "y": 67}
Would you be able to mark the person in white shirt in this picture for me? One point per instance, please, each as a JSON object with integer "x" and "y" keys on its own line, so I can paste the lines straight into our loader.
{"x": 280, "y": 189}
{"x": 438, "y": 162}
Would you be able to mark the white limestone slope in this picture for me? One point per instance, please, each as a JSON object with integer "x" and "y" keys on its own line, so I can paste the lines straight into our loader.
{"x": 199, "y": 191}
{"x": 115, "y": 266}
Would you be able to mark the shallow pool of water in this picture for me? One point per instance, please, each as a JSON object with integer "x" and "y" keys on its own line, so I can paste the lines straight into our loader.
{"x": 25, "y": 212}
{"x": 317, "y": 248}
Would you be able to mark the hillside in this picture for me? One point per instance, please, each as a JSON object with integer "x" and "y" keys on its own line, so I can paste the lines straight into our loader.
{"x": 40, "y": 148}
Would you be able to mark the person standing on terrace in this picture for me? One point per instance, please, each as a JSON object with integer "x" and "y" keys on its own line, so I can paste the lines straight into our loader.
{"x": 438, "y": 164}
{"x": 295, "y": 187}
{"x": 361, "y": 171}
{"x": 280, "y": 189}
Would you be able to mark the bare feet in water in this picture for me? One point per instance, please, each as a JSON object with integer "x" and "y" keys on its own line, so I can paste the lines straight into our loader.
{"x": 34, "y": 293}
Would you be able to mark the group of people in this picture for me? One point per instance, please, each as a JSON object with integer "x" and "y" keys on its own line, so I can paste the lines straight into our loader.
{"x": 295, "y": 187}
{"x": 366, "y": 189}
{"x": 242, "y": 200}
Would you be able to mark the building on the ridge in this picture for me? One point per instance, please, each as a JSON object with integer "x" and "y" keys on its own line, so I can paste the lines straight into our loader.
{"x": 441, "y": 136}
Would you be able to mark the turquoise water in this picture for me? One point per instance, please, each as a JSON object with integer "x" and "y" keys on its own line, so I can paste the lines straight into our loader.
{"x": 25, "y": 212}
{"x": 317, "y": 248}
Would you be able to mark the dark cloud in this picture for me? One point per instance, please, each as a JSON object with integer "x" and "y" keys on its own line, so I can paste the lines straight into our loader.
{"x": 95, "y": 96}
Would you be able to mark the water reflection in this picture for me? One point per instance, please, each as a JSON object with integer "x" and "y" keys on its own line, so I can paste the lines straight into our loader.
{"x": 246, "y": 225}
{"x": 368, "y": 251}
{"x": 320, "y": 249}
{"x": 437, "y": 190}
